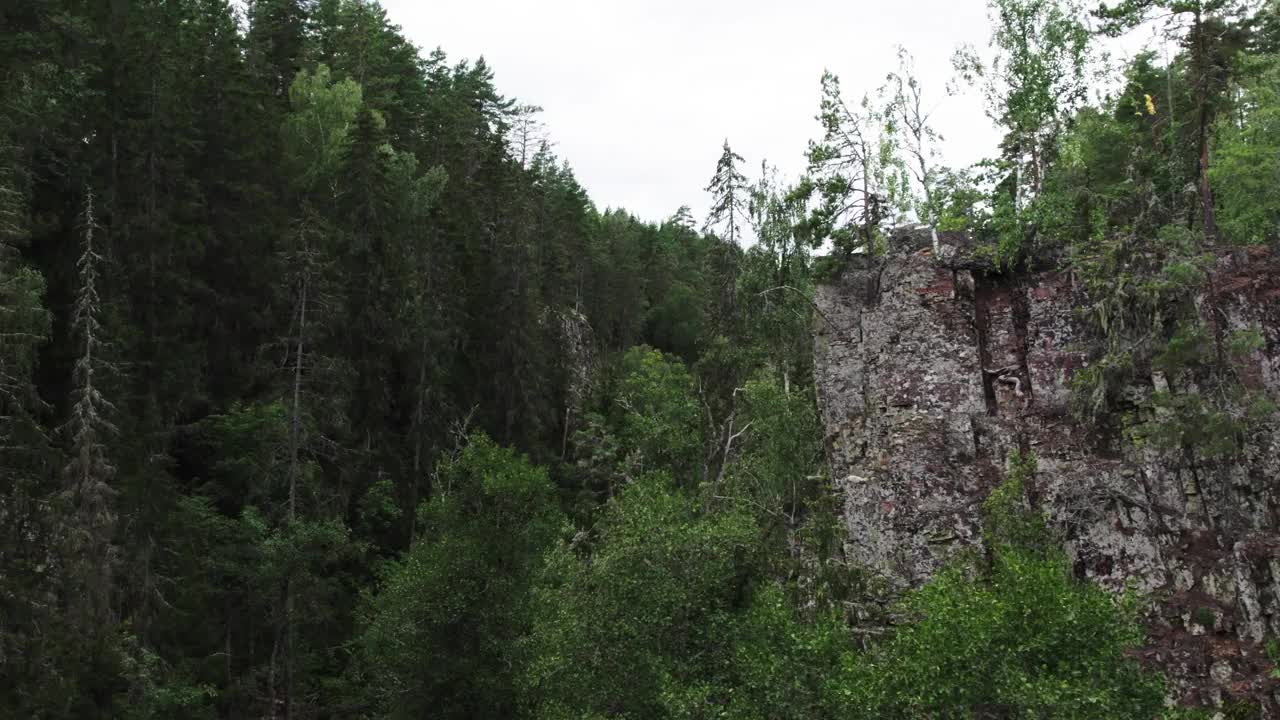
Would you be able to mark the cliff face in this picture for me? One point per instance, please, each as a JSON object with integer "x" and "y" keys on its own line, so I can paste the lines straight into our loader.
{"x": 930, "y": 371}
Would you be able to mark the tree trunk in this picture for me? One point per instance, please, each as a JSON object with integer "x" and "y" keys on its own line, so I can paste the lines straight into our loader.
{"x": 295, "y": 420}
{"x": 1206, "y": 193}
{"x": 295, "y": 449}
{"x": 1202, "y": 90}
{"x": 419, "y": 419}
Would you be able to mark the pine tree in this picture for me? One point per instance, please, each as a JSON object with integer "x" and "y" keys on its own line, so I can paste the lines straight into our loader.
{"x": 29, "y": 534}
{"x": 528, "y": 135}
{"x": 856, "y": 171}
{"x": 277, "y": 43}
{"x": 24, "y": 327}
{"x": 320, "y": 256}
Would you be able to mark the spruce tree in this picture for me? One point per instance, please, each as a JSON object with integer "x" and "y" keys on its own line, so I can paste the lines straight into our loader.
{"x": 728, "y": 188}
{"x": 89, "y": 472}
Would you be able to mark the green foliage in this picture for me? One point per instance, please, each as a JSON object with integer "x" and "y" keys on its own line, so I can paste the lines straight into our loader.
{"x": 1272, "y": 649}
{"x": 326, "y": 257}
{"x": 1214, "y": 427}
{"x": 675, "y": 322}
{"x": 775, "y": 279}
{"x": 1141, "y": 306}
{"x": 246, "y": 446}
{"x": 820, "y": 578}
{"x": 1008, "y": 523}
{"x": 440, "y": 635}
{"x": 1022, "y": 640}
{"x": 1242, "y": 343}
{"x": 1018, "y": 637}
{"x": 1188, "y": 346}
{"x": 729, "y": 196}
{"x": 1204, "y": 617}
{"x": 25, "y": 452}
{"x": 316, "y": 132}
{"x": 1245, "y": 153}
{"x": 1033, "y": 81}
{"x": 779, "y": 457}
{"x": 1212, "y": 420}
{"x": 667, "y": 618}
{"x": 1094, "y": 388}
{"x": 958, "y": 201}
{"x": 658, "y": 419}
{"x": 156, "y": 694}
{"x": 856, "y": 170}
{"x": 1236, "y": 709}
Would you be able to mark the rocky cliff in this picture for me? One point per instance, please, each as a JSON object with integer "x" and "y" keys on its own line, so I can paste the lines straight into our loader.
{"x": 930, "y": 370}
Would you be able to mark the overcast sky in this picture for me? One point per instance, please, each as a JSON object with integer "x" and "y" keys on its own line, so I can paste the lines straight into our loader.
{"x": 639, "y": 95}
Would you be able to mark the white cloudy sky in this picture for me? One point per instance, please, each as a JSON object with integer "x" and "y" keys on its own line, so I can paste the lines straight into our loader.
{"x": 638, "y": 96}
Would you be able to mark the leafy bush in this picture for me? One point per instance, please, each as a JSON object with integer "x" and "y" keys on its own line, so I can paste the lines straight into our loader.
{"x": 670, "y": 616}
{"x": 440, "y": 634}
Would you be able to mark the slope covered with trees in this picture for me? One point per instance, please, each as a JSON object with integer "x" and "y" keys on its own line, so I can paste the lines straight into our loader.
{"x": 327, "y": 392}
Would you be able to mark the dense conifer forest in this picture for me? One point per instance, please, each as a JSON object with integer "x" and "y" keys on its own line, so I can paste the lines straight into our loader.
{"x": 327, "y": 392}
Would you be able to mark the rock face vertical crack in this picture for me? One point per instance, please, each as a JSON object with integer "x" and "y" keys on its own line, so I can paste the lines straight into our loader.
{"x": 1021, "y": 312}
{"x": 982, "y": 328}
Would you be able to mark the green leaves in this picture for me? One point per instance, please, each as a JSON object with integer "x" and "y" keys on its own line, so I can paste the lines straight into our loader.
{"x": 315, "y": 132}
{"x": 440, "y": 634}
{"x": 1247, "y": 159}
{"x": 1272, "y": 650}
{"x": 856, "y": 170}
{"x": 1008, "y": 523}
{"x": 659, "y": 422}
{"x": 779, "y": 457}
{"x": 324, "y": 253}
{"x": 1011, "y": 635}
{"x": 1022, "y": 640}
{"x": 667, "y": 617}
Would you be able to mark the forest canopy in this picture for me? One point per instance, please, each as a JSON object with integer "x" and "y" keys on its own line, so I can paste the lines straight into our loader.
{"x": 326, "y": 391}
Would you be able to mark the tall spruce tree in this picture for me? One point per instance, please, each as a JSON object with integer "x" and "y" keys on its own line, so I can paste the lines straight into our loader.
{"x": 89, "y": 472}
{"x": 728, "y": 187}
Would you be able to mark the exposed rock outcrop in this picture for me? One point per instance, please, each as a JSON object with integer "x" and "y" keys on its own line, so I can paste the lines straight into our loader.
{"x": 930, "y": 370}
{"x": 580, "y": 364}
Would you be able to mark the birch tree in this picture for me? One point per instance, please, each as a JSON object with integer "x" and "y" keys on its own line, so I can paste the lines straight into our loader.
{"x": 315, "y": 136}
{"x": 1033, "y": 80}
{"x": 919, "y": 140}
